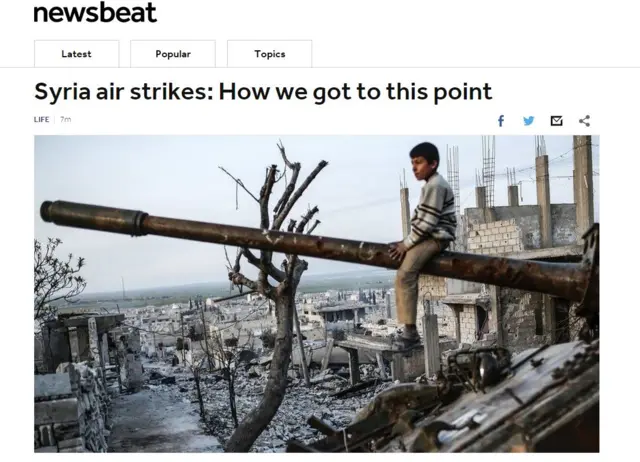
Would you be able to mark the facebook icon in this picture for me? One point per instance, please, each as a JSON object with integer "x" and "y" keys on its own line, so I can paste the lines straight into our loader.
{"x": 500, "y": 120}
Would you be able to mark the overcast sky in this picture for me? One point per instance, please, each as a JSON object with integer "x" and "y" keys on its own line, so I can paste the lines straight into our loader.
{"x": 178, "y": 177}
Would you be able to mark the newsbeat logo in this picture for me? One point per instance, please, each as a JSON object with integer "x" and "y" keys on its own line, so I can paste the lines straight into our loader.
{"x": 102, "y": 13}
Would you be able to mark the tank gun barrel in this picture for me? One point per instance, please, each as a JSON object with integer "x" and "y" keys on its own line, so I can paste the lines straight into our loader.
{"x": 571, "y": 281}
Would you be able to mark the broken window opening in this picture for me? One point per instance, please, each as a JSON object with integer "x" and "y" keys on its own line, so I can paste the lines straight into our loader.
{"x": 537, "y": 314}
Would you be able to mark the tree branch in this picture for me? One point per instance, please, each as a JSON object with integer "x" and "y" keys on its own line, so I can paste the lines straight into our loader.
{"x": 239, "y": 183}
{"x": 313, "y": 227}
{"x": 295, "y": 168}
{"x": 54, "y": 279}
{"x": 294, "y": 198}
{"x": 265, "y": 255}
{"x": 271, "y": 270}
{"x": 240, "y": 280}
{"x": 265, "y": 194}
{"x": 305, "y": 219}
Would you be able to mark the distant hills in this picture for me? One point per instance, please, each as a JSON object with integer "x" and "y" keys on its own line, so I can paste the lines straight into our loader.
{"x": 376, "y": 277}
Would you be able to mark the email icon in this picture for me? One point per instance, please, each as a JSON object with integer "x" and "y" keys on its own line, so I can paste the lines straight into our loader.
{"x": 556, "y": 121}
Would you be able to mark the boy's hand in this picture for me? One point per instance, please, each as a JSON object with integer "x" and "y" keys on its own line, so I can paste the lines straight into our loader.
{"x": 397, "y": 250}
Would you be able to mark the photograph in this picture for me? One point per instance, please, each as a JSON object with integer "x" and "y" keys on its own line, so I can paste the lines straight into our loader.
{"x": 294, "y": 293}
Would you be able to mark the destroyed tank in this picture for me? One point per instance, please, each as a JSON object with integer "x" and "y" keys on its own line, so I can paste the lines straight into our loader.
{"x": 482, "y": 399}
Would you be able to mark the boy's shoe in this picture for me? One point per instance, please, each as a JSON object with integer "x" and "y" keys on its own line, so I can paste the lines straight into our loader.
{"x": 406, "y": 339}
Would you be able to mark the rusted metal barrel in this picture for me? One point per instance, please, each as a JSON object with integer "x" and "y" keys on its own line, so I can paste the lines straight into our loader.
{"x": 566, "y": 280}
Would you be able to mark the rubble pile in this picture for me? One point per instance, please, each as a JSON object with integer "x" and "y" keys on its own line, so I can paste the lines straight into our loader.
{"x": 94, "y": 406}
{"x": 300, "y": 402}
{"x": 71, "y": 410}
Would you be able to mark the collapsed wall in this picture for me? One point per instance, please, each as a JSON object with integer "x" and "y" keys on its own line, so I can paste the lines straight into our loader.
{"x": 71, "y": 410}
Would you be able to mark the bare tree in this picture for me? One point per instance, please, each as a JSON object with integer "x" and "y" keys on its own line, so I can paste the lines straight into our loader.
{"x": 282, "y": 292}
{"x": 228, "y": 353}
{"x": 55, "y": 279}
{"x": 195, "y": 366}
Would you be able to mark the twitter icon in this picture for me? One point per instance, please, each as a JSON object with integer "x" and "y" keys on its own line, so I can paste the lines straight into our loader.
{"x": 528, "y": 120}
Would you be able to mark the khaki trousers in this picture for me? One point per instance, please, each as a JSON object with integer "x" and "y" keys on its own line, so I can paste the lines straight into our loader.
{"x": 407, "y": 278}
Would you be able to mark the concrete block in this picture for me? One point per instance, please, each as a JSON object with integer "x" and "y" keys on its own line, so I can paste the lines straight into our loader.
{"x": 50, "y": 385}
{"x": 512, "y": 242}
{"x": 502, "y": 229}
{"x": 67, "y": 431}
{"x": 59, "y": 411}
{"x": 71, "y": 443}
{"x": 512, "y": 228}
{"x": 491, "y": 225}
{"x": 483, "y": 226}
{"x": 74, "y": 449}
{"x": 509, "y": 249}
{"x": 46, "y": 435}
{"x": 482, "y": 232}
{"x": 47, "y": 449}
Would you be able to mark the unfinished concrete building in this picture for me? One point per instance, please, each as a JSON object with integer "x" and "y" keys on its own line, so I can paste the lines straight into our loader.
{"x": 100, "y": 339}
{"x": 471, "y": 312}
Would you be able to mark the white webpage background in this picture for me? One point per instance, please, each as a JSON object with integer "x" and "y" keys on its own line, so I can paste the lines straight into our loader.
{"x": 555, "y": 36}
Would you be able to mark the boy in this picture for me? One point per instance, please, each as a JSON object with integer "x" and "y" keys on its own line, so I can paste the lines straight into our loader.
{"x": 433, "y": 228}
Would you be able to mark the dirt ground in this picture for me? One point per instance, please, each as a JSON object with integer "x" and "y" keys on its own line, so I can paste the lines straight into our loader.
{"x": 157, "y": 421}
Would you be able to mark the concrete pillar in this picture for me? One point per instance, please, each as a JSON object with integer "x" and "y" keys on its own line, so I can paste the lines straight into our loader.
{"x": 544, "y": 200}
{"x": 514, "y": 197}
{"x": 73, "y": 344}
{"x": 583, "y": 177}
{"x": 105, "y": 349}
{"x": 354, "y": 367}
{"x": 94, "y": 348}
{"x": 550, "y": 323}
{"x": 481, "y": 197}
{"x": 327, "y": 354}
{"x": 431, "y": 342}
{"x": 575, "y": 183}
{"x": 406, "y": 213}
{"x": 496, "y": 314}
{"x": 387, "y": 304}
{"x": 397, "y": 368}
{"x": 380, "y": 360}
{"x": 130, "y": 363}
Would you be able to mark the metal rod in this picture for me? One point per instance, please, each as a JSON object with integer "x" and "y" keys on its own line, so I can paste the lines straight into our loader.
{"x": 565, "y": 280}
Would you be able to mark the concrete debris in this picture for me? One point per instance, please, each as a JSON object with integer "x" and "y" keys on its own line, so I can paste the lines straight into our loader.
{"x": 298, "y": 405}
{"x": 71, "y": 410}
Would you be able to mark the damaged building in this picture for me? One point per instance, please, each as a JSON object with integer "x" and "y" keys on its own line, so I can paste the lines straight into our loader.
{"x": 470, "y": 312}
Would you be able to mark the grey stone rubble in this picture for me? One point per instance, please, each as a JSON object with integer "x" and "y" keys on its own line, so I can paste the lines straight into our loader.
{"x": 300, "y": 402}
{"x": 71, "y": 410}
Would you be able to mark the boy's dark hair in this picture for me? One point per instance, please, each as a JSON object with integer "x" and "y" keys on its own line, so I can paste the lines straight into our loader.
{"x": 428, "y": 151}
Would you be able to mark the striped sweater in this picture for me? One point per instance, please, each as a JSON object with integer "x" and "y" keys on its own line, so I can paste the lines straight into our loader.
{"x": 435, "y": 216}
